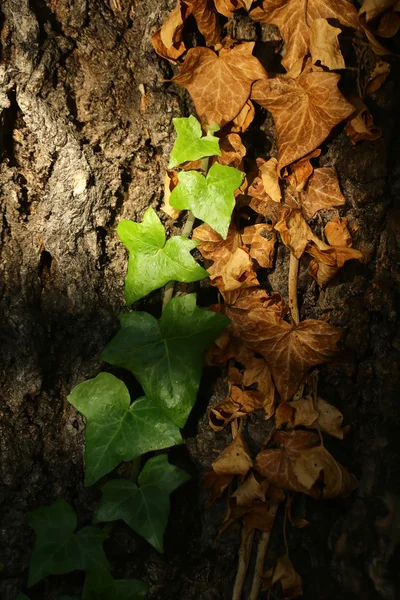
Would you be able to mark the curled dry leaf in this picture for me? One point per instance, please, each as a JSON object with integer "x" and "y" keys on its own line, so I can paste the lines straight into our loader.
{"x": 244, "y": 119}
{"x": 220, "y": 84}
{"x": 389, "y": 24}
{"x": 337, "y": 233}
{"x": 228, "y": 7}
{"x": 249, "y": 492}
{"x": 312, "y": 471}
{"x": 377, "y": 77}
{"x": 361, "y": 127}
{"x": 232, "y": 151}
{"x": 170, "y": 181}
{"x": 246, "y": 300}
{"x": 270, "y": 178}
{"x": 238, "y": 404}
{"x": 211, "y": 244}
{"x": 320, "y": 415}
{"x": 232, "y": 271}
{"x": 207, "y": 20}
{"x": 323, "y": 191}
{"x": 261, "y": 240}
{"x": 296, "y": 234}
{"x": 304, "y": 110}
{"x": 302, "y": 170}
{"x": 324, "y": 45}
{"x": 284, "y": 573}
{"x": 373, "y": 8}
{"x": 294, "y": 19}
{"x": 290, "y": 351}
{"x": 235, "y": 459}
{"x": 167, "y": 41}
{"x": 216, "y": 484}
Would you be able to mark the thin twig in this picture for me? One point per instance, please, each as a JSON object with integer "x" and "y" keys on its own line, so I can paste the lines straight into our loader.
{"x": 261, "y": 552}
{"x": 293, "y": 274}
{"x": 244, "y": 559}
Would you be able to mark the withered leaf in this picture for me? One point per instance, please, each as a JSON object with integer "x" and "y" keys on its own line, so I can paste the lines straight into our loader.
{"x": 261, "y": 240}
{"x": 207, "y": 20}
{"x": 235, "y": 459}
{"x": 324, "y": 45}
{"x": 337, "y": 233}
{"x": 294, "y": 18}
{"x": 296, "y": 234}
{"x": 220, "y": 84}
{"x": 270, "y": 179}
{"x": 170, "y": 182}
{"x": 377, "y": 77}
{"x": 302, "y": 170}
{"x": 216, "y": 484}
{"x": 374, "y": 8}
{"x": 167, "y": 41}
{"x": 284, "y": 573}
{"x": 232, "y": 271}
{"x": 232, "y": 151}
{"x": 228, "y": 7}
{"x": 323, "y": 191}
{"x": 289, "y": 351}
{"x": 211, "y": 244}
{"x": 389, "y": 23}
{"x": 236, "y": 405}
{"x": 312, "y": 471}
{"x": 361, "y": 127}
{"x": 304, "y": 110}
{"x": 326, "y": 263}
{"x": 319, "y": 415}
{"x": 249, "y": 492}
{"x": 244, "y": 119}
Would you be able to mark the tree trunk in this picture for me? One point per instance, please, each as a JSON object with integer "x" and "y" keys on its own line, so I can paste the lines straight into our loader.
{"x": 85, "y": 137}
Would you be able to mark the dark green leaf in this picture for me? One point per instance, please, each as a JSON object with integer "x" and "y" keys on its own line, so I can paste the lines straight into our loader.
{"x": 115, "y": 429}
{"x": 145, "y": 508}
{"x": 101, "y": 586}
{"x": 152, "y": 262}
{"x": 166, "y": 356}
{"x": 189, "y": 145}
{"x": 58, "y": 549}
{"x": 210, "y": 198}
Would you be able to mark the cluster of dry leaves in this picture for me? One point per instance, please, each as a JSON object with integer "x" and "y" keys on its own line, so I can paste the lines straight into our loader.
{"x": 270, "y": 355}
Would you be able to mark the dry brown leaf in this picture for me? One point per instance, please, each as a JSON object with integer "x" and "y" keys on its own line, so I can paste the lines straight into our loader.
{"x": 302, "y": 170}
{"x": 312, "y": 471}
{"x": 211, "y": 244}
{"x": 304, "y": 110}
{"x": 216, "y": 484}
{"x": 228, "y": 7}
{"x": 249, "y": 492}
{"x": 361, "y": 126}
{"x": 220, "y": 84}
{"x": 238, "y": 404}
{"x": 284, "y": 573}
{"x": 289, "y": 351}
{"x": 297, "y": 522}
{"x": 167, "y": 41}
{"x": 337, "y": 233}
{"x": 319, "y": 415}
{"x": 170, "y": 182}
{"x": 294, "y": 18}
{"x": 374, "y": 8}
{"x": 326, "y": 263}
{"x": 389, "y": 24}
{"x": 324, "y": 45}
{"x": 323, "y": 191}
{"x": 243, "y": 120}
{"x": 235, "y": 459}
{"x": 261, "y": 240}
{"x": 232, "y": 151}
{"x": 259, "y": 518}
{"x": 270, "y": 179}
{"x": 232, "y": 271}
{"x": 377, "y": 77}
{"x": 296, "y": 234}
{"x": 207, "y": 20}
{"x": 249, "y": 299}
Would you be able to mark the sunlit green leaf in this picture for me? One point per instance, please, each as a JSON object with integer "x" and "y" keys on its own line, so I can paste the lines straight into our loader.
{"x": 146, "y": 507}
{"x": 58, "y": 548}
{"x": 101, "y": 586}
{"x": 152, "y": 262}
{"x": 117, "y": 430}
{"x": 166, "y": 356}
{"x": 210, "y": 198}
{"x": 189, "y": 144}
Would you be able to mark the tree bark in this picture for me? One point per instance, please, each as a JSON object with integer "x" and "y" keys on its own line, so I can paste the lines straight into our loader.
{"x": 85, "y": 137}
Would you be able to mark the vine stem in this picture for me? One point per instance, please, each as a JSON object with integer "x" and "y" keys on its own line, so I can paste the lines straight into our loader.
{"x": 261, "y": 552}
{"x": 293, "y": 274}
{"x": 244, "y": 559}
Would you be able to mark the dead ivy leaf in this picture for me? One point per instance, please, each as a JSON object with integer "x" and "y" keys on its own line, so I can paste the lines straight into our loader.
{"x": 389, "y": 24}
{"x": 259, "y": 517}
{"x": 297, "y": 522}
{"x": 232, "y": 271}
{"x": 211, "y": 244}
{"x": 305, "y": 412}
{"x": 257, "y": 372}
{"x": 261, "y": 240}
{"x": 337, "y": 233}
{"x": 302, "y": 170}
{"x": 243, "y": 120}
{"x": 324, "y": 45}
{"x": 232, "y": 151}
{"x": 284, "y": 573}
{"x": 228, "y": 7}
{"x": 167, "y": 41}
{"x": 207, "y": 20}
{"x": 323, "y": 191}
{"x": 170, "y": 181}
{"x": 249, "y": 492}
{"x": 304, "y": 110}
{"x": 270, "y": 179}
{"x": 216, "y": 484}
{"x": 361, "y": 127}
{"x": 326, "y": 263}
{"x": 312, "y": 471}
{"x": 294, "y": 18}
{"x": 220, "y": 84}
{"x": 235, "y": 459}
{"x": 374, "y": 8}
{"x": 238, "y": 404}
{"x": 377, "y": 77}
{"x": 296, "y": 234}
{"x": 289, "y": 351}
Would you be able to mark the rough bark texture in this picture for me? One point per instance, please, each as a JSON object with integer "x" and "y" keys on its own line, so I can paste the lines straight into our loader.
{"x": 85, "y": 135}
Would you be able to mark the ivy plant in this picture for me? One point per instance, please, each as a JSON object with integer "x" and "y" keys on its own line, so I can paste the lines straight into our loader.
{"x": 144, "y": 507}
{"x": 190, "y": 144}
{"x": 100, "y": 585}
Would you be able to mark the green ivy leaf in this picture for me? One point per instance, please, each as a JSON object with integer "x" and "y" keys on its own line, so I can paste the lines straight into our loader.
{"x": 152, "y": 262}
{"x": 117, "y": 430}
{"x": 100, "y": 585}
{"x": 58, "y": 549}
{"x": 146, "y": 507}
{"x": 166, "y": 356}
{"x": 210, "y": 198}
{"x": 189, "y": 145}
